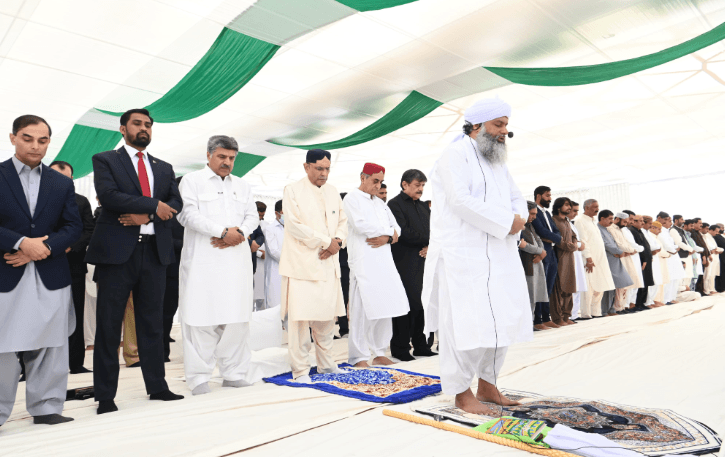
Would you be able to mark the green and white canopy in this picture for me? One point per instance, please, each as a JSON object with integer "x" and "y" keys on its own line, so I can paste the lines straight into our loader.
{"x": 603, "y": 92}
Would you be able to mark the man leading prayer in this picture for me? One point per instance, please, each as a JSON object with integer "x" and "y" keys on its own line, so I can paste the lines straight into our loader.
{"x": 314, "y": 231}
{"x": 474, "y": 287}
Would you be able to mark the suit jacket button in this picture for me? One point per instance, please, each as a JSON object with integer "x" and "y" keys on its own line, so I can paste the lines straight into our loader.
{"x": 32, "y": 225}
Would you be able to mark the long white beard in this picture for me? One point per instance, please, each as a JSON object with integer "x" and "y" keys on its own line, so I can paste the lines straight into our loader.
{"x": 491, "y": 149}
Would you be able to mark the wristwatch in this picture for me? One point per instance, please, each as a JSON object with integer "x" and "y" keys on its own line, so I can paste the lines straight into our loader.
{"x": 390, "y": 240}
{"x": 226, "y": 230}
{"x": 48, "y": 246}
{"x": 152, "y": 216}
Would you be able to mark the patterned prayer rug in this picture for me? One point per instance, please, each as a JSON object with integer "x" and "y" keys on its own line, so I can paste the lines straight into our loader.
{"x": 376, "y": 384}
{"x": 649, "y": 431}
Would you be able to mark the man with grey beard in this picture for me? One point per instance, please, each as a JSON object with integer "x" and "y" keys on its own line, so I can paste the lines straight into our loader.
{"x": 474, "y": 287}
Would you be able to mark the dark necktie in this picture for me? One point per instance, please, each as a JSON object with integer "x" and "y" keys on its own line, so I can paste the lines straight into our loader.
{"x": 143, "y": 177}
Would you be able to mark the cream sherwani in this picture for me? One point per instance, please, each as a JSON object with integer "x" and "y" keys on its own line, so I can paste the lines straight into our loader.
{"x": 632, "y": 293}
{"x": 376, "y": 291}
{"x": 215, "y": 311}
{"x": 311, "y": 289}
{"x": 474, "y": 287}
{"x": 600, "y": 279}
{"x": 713, "y": 269}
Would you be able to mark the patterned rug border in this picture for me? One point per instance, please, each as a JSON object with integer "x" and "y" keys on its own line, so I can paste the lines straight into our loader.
{"x": 407, "y": 396}
{"x": 692, "y": 426}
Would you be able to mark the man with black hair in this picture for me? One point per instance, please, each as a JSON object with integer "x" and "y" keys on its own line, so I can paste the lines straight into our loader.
{"x": 131, "y": 247}
{"x": 273, "y": 237}
{"x": 78, "y": 268}
{"x": 565, "y": 283}
{"x": 256, "y": 239}
{"x": 39, "y": 221}
{"x": 315, "y": 230}
{"x": 409, "y": 253}
{"x": 171, "y": 294}
{"x": 383, "y": 192}
{"x": 705, "y": 254}
{"x": 720, "y": 241}
{"x": 545, "y": 227}
{"x": 620, "y": 277}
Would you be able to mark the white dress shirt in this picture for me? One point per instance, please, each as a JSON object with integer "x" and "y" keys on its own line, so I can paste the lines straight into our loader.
{"x": 147, "y": 229}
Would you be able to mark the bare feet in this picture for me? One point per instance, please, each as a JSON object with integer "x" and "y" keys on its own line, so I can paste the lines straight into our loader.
{"x": 550, "y": 324}
{"x": 611, "y": 314}
{"x": 561, "y": 323}
{"x": 382, "y": 360}
{"x": 570, "y": 322}
{"x": 488, "y": 393}
{"x": 541, "y": 327}
{"x": 468, "y": 403}
{"x": 362, "y": 364}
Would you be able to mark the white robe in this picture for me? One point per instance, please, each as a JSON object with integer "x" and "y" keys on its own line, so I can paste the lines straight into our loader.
{"x": 215, "y": 285}
{"x": 473, "y": 207}
{"x": 273, "y": 236}
{"x": 378, "y": 281}
{"x": 674, "y": 263}
{"x": 581, "y": 272}
{"x": 600, "y": 279}
{"x": 656, "y": 267}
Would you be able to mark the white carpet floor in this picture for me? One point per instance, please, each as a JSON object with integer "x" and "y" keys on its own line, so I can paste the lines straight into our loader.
{"x": 670, "y": 357}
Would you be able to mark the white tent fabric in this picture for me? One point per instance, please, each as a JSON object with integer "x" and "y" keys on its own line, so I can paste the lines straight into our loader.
{"x": 667, "y": 358}
{"x": 339, "y": 70}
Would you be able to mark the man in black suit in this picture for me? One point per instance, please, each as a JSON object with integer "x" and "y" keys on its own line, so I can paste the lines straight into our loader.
{"x": 645, "y": 257}
{"x": 171, "y": 296}
{"x": 547, "y": 230}
{"x": 76, "y": 259}
{"x": 256, "y": 239}
{"x": 38, "y": 222}
{"x": 131, "y": 248}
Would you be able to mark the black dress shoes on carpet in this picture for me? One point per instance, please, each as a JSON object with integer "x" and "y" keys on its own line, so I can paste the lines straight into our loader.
{"x": 106, "y": 406}
{"x": 51, "y": 419}
{"x": 80, "y": 370}
{"x": 404, "y": 357}
{"x": 134, "y": 365}
{"x": 424, "y": 352}
{"x": 166, "y": 395}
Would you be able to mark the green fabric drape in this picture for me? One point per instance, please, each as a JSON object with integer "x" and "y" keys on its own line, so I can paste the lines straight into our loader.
{"x": 82, "y": 143}
{"x": 373, "y": 5}
{"x": 227, "y": 66}
{"x": 412, "y": 108}
{"x": 244, "y": 163}
{"x": 588, "y": 74}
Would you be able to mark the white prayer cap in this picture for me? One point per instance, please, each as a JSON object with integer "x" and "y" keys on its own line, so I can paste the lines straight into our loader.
{"x": 621, "y": 215}
{"x": 486, "y": 110}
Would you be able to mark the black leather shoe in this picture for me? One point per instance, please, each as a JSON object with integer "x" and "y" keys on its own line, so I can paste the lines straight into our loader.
{"x": 51, "y": 419}
{"x": 424, "y": 353}
{"x": 404, "y": 357}
{"x": 134, "y": 365}
{"x": 80, "y": 370}
{"x": 106, "y": 406}
{"x": 166, "y": 395}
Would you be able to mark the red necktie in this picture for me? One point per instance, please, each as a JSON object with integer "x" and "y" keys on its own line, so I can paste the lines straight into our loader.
{"x": 143, "y": 178}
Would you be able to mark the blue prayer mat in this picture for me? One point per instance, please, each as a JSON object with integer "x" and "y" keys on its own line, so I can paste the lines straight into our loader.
{"x": 375, "y": 384}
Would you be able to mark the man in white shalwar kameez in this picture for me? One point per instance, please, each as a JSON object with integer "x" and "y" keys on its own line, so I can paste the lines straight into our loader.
{"x": 315, "y": 230}
{"x": 656, "y": 264}
{"x": 674, "y": 264}
{"x": 632, "y": 293}
{"x": 215, "y": 273}
{"x": 599, "y": 276}
{"x": 376, "y": 291}
{"x": 474, "y": 287}
{"x": 273, "y": 237}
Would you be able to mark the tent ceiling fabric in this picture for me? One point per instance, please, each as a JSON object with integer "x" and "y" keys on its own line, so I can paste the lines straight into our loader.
{"x": 343, "y": 68}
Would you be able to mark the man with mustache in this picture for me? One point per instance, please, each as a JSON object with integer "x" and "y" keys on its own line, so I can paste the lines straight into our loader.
{"x": 565, "y": 283}
{"x": 383, "y": 192}
{"x": 474, "y": 286}
{"x": 219, "y": 214}
{"x": 634, "y": 270}
{"x": 413, "y": 216}
{"x": 315, "y": 228}
{"x": 599, "y": 277}
{"x": 131, "y": 247}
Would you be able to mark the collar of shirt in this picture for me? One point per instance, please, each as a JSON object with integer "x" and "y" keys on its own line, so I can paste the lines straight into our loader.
{"x": 209, "y": 174}
{"x": 542, "y": 208}
{"x": 365, "y": 194}
{"x": 19, "y": 166}
{"x": 133, "y": 152}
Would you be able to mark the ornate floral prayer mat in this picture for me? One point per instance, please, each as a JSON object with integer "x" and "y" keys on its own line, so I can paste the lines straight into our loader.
{"x": 376, "y": 384}
{"x": 650, "y": 431}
